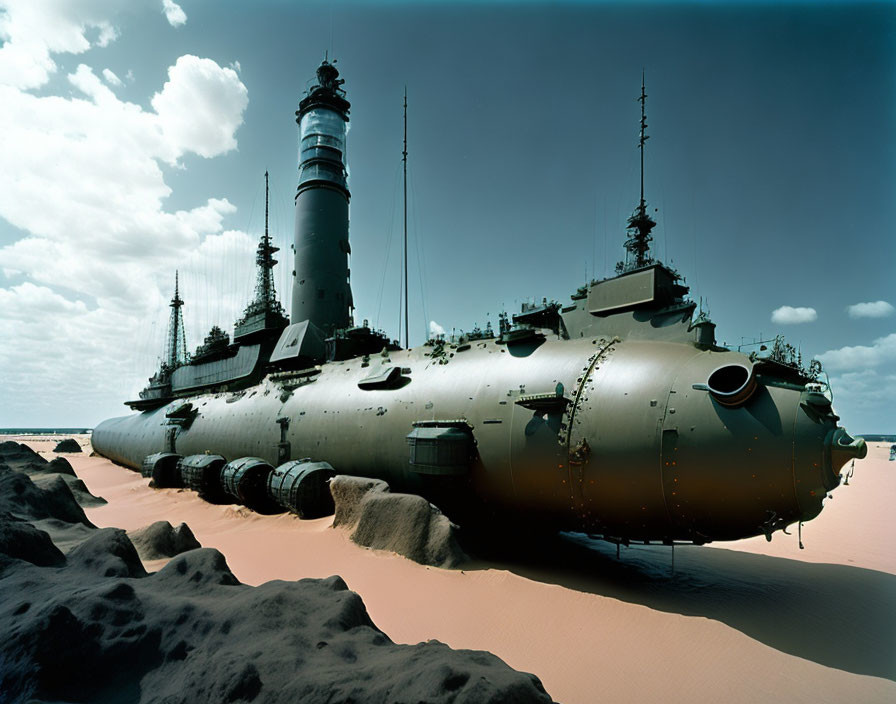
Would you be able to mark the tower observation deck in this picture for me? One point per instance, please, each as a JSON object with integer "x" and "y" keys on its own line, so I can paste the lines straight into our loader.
{"x": 321, "y": 293}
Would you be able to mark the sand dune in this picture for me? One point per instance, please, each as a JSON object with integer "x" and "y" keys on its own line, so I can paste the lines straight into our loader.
{"x": 748, "y": 621}
{"x": 90, "y": 624}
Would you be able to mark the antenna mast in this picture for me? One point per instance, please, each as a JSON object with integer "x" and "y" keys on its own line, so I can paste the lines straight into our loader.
{"x": 265, "y": 295}
{"x": 640, "y": 224}
{"x": 404, "y": 159}
{"x": 264, "y": 311}
{"x": 176, "y": 347}
{"x": 643, "y": 136}
{"x": 267, "y": 283}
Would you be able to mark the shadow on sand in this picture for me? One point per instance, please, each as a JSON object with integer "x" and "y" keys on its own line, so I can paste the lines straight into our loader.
{"x": 838, "y": 616}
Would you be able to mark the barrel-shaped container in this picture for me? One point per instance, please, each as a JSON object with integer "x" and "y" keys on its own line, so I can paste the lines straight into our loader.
{"x": 303, "y": 487}
{"x": 162, "y": 468}
{"x": 202, "y": 473}
{"x": 246, "y": 480}
{"x": 444, "y": 451}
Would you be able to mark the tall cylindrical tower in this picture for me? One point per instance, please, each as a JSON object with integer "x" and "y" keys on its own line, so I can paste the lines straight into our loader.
{"x": 321, "y": 292}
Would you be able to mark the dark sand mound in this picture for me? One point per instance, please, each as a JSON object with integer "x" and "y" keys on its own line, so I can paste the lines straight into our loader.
{"x": 161, "y": 539}
{"x": 65, "y": 536}
{"x": 43, "y": 473}
{"x": 76, "y": 486}
{"x": 403, "y": 523}
{"x": 22, "y": 458}
{"x": 107, "y": 553}
{"x": 94, "y": 626}
{"x": 59, "y": 465}
{"x": 14, "y": 453}
{"x": 21, "y": 497}
{"x": 192, "y": 633}
{"x": 22, "y": 541}
{"x": 67, "y": 445}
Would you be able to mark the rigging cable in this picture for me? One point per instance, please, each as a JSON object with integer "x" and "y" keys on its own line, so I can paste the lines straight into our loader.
{"x": 391, "y": 229}
{"x": 421, "y": 262}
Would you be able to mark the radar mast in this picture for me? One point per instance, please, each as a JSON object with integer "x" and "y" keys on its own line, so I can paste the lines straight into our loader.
{"x": 176, "y": 344}
{"x": 640, "y": 224}
{"x": 264, "y": 312}
{"x": 264, "y": 286}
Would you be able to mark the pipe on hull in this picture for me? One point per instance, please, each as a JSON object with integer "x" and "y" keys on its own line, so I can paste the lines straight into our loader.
{"x": 616, "y": 438}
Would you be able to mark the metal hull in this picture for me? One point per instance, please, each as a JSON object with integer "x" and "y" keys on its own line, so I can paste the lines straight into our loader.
{"x": 633, "y": 452}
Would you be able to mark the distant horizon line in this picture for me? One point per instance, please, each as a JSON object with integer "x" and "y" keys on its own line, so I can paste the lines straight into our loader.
{"x": 46, "y": 431}
{"x": 871, "y": 437}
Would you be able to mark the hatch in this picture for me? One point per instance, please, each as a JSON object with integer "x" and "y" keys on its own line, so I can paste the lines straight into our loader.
{"x": 385, "y": 377}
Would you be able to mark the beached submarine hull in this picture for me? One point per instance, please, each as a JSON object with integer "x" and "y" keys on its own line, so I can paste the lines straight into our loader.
{"x": 623, "y": 439}
{"x": 615, "y": 414}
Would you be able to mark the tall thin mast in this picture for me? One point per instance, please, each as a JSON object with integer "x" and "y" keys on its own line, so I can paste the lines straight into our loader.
{"x": 266, "y": 283}
{"x": 640, "y": 224}
{"x": 265, "y": 295}
{"x": 176, "y": 347}
{"x": 264, "y": 312}
{"x": 404, "y": 159}
{"x": 644, "y": 137}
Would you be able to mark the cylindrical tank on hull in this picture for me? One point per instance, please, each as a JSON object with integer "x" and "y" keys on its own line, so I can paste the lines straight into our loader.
{"x": 622, "y": 439}
{"x": 321, "y": 292}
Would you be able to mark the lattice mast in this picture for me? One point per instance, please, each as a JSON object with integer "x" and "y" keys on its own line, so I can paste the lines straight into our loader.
{"x": 176, "y": 344}
{"x": 265, "y": 294}
{"x": 640, "y": 224}
{"x": 264, "y": 311}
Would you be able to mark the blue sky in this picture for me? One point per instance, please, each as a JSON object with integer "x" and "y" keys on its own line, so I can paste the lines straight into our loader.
{"x": 135, "y": 136}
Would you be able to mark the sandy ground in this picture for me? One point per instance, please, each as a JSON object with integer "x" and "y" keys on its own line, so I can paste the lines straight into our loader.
{"x": 749, "y": 621}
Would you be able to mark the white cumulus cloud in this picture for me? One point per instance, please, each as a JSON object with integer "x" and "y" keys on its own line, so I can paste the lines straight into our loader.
{"x": 788, "y": 315}
{"x": 174, "y": 13}
{"x": 20, "y": 302}
{"x": 873, "y": 309}
{"x": 111, "y": 78}
{"x": 82, "y": 180}
{"x": 82, "y": 176}
{"x": 200, "y": 106}
{"x": 882, "y": 352}
{"x": 864, "y": 376}
{"x": 435, "y": 330}
{"x": 33, "y": 30}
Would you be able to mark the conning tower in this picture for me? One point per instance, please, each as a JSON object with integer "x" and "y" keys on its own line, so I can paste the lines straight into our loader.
{"x": 321, "y": 293}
